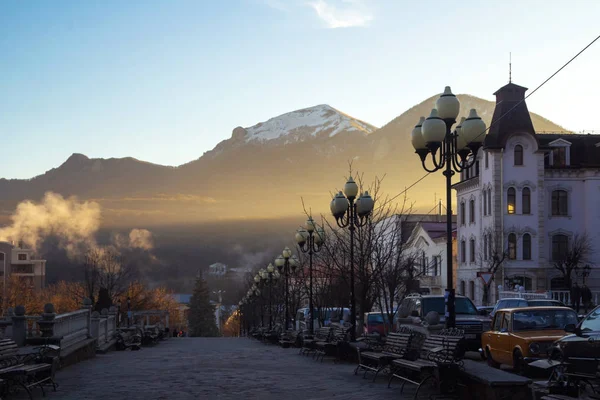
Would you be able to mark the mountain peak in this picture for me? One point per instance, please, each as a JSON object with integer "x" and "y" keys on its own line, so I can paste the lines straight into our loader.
{"x": 307, "y": 122}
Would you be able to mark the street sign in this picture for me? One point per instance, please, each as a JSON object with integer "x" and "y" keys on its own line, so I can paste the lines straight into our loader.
{"x": 486, "y": 276}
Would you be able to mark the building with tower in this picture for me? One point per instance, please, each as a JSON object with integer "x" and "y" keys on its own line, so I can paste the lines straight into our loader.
{"x": 530, "y": 196}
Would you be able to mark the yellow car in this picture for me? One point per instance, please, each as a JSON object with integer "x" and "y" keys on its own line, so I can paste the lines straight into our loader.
{"x": 521, "y": 335}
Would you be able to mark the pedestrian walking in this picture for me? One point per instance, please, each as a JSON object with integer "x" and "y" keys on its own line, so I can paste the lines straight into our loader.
{"x": 575, "y": 297}
{"x": 586, "y": 297}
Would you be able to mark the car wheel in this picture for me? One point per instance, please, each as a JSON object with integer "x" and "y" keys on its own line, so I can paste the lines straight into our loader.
{"x": 518, "y": 362}
{"x": 490, "y": 360}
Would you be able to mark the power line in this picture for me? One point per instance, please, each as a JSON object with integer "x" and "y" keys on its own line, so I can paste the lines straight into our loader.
{"x": 506, "y": 113}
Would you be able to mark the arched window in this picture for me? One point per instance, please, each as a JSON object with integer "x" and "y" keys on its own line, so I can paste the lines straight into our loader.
{"x": 511, "y": 200}
{"x": 463, "y": 251}
{"x": 518, "y": 155}
{"x": 560, "y": 247}
{"x": 527, "y": 246}
{"x": 472, "y": 290}
{"x": 512, "y": 246}
{"x": 485, "y": 202}
{"x": 472, "y": 211}
{"x": 526, "y": 197}
{"x": 489, "y": 201}
{"x": 559, "y": 202}
{"x": 462, "y": 213}
{"x": 463, "y": 289}
{"x": 487, "y": 160}
{"x": 472, "y": 250}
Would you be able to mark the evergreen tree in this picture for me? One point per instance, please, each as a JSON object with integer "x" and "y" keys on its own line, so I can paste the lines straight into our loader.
{"x": 201, "y": 317}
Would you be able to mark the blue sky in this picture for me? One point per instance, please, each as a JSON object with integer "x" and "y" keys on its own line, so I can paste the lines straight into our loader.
{"x": 165, "y": 81}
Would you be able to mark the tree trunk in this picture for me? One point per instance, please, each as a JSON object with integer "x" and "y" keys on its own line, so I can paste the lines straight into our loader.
{"x": 486, "y": 294}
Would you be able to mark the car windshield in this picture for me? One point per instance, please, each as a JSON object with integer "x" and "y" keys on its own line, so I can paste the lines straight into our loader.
{"x": 542, "y": 303}
{"x": 512, "y": 303}
{"x": 464, "y": 306}
{"x": 375, "y": 318}
{"x": 529, "y": 320}
{"x": 592, "y": 322}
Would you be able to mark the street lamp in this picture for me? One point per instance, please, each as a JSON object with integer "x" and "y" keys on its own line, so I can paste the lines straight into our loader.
{"x": 286, "y": 264}
{"x": 310, "y": 239}
{"x": 352, "y": 213}
{"x": 455, "y": 151}
{"x": 269, "y": 276}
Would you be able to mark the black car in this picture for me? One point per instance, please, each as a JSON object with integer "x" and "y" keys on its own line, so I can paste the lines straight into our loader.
{"x": 581, "y": 349}
{"x": 467, "y": 317}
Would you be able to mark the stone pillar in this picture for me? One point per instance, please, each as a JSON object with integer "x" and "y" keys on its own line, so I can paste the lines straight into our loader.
{"x": 19, "y": 326}
{"x": 104, "y": 315}
{"x": 95, "y": 325}
{"x": 46, "y": 323}
{"x": 87, "y": 305}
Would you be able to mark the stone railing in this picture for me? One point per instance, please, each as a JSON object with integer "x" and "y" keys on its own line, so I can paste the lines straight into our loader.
{"x": 565, "y": 296}
{"x": 71, "y": 327}
{"x": 104, "y": 325}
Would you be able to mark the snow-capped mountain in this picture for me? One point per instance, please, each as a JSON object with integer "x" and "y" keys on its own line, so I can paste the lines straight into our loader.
{"x": 305, "y": 123}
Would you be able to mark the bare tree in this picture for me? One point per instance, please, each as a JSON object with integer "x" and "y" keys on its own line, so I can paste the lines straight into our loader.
{"x": 578, "y": 252}
{"x": 491, "y": 257}
{"x": 104, "y": 269}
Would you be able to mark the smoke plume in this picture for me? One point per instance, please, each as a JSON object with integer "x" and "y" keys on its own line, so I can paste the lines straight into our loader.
{"x": 73, "y": 223}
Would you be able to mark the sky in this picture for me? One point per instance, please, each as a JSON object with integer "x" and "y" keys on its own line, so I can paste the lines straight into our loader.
{"x": 165, "y": 81}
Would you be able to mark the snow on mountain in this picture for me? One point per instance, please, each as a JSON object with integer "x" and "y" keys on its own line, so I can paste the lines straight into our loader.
{"x": 312, "y": 121}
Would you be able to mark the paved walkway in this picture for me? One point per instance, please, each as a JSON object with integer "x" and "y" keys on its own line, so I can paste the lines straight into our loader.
{"x": 215, "y": 368}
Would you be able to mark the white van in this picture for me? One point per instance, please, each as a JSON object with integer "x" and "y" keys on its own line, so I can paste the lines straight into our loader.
{"x": 302, "y": 317}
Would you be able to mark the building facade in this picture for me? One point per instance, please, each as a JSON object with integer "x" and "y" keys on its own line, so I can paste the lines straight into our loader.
{"x": 16, "y": 261}
{"x": 528, "y": 197}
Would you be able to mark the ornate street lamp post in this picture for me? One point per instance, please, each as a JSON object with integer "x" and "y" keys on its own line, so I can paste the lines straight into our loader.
{"x": 269, "y": 277}
{"x": 352, "y": 213}
{"x": 454, "y": 152}
{"x": 310, "y": 240}
{"x": 286, "y": 264}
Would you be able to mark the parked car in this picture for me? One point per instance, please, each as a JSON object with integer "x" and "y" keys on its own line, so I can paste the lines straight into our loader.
{"x": 485, "y": 310}
{"x": 519, "y": 336}
{"x": 581, "y": 348}
{"x": 467, "y": 317}
{"x": 303, "y": 317}
{"x": 374, "y": 323}
{"x": 519, "y": 302}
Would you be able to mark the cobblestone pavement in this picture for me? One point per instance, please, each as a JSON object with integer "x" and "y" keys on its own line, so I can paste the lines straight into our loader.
{"x": 215, "y": 368}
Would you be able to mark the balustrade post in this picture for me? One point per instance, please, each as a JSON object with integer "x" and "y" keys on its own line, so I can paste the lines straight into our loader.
{"x": 112, "y": 311}
{"x": 19, "y": 326}
{"x": 87, "y": 305}
{"x": 95, "y": 325}
{"x": 46, "y": 323}
{"x": 104, "y": 315}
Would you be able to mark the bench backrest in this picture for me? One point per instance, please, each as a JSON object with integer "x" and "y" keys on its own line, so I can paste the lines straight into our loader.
{"x": 339, "y": 334}
{"x": 323, "y": 333}
{"x": 443, "y": 347}
{"x": 397, "y": 342}
{"x": 8, "y": 348}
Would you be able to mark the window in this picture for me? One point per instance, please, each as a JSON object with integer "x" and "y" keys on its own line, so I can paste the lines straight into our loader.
{"x": 484, "y": 202}
{"x": 471, "y": 290}
{"x": 487, "y": 160}
{"x": 22, "y": 257}
{"x": 560, "y": 247}
{"x": 527, "y": 246}
{"x": 518, "y": 155}
{"x": 472, "y": 249}
{"x": 476, "y": 168}
{"x": 463, "y": 251}
{"x": 559, "y": 157}
{"x": 489, "y": 201}
{"x": 1, "y": 256}
{"x": 559, "y": 202}
{"x": 511, "y": 200}
{"x": 512, "y": 246}
{"x": 498, "y": 321}
{"x": 472, "y": 211}
{"x": 485, "y": 247}
{"x": 591, "y": 322}
{"x": 424, "y": 264}
{"x": 490, "y": 253}
{"x": 462, "y": 288}
{"x": 526, "y": 197}
{"x": 505, "y": 322}
{"x": 436, "y": 265}
{"x": 462, "y": 213}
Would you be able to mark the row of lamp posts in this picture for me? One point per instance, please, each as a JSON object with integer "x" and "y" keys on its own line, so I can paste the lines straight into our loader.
{"x": 451, "y": 150}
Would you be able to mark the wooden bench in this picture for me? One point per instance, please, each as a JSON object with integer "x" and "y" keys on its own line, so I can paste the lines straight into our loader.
{"x": 337, "y": 336}
{"x": 36, "y": 368}
{"x": 485, "y": 382}
{"x": 397, "y": 345}
{"x": 308, "y": 343}
{"x": 439, "y": 351}
{"x": 289, "y": 338}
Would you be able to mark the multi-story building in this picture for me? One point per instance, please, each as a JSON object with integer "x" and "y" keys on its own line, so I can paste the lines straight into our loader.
{"x": 528, "y": 196}
{"x": 16, "y": 261}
